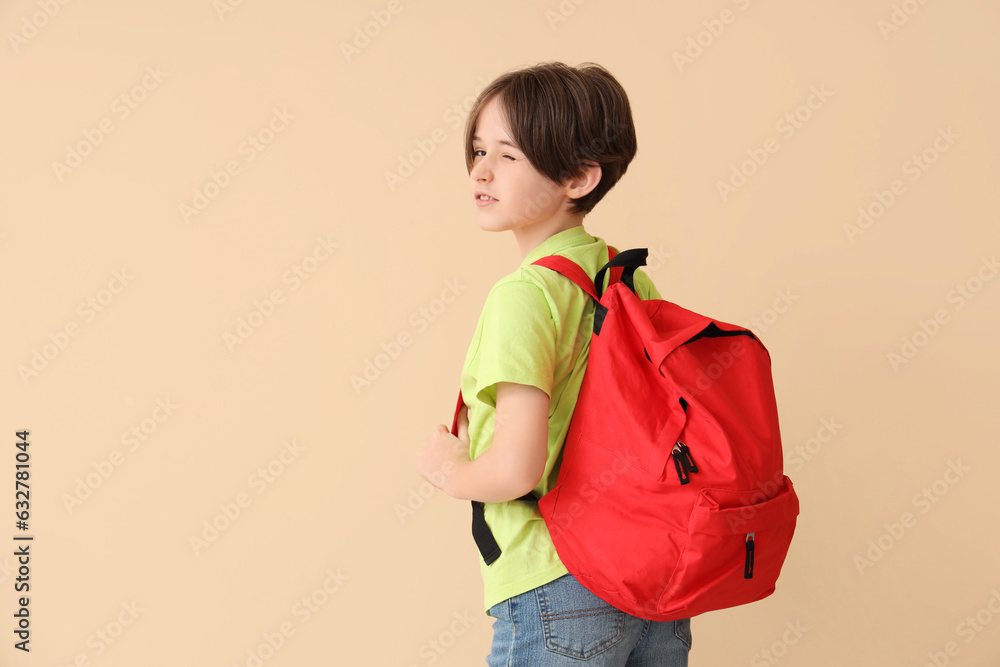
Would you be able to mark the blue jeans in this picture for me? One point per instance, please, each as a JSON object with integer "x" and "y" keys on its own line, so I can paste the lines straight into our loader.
{"x": 562, "y": 623}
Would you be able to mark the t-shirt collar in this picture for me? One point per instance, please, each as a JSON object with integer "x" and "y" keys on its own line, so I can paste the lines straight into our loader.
{"x": 567, "y": 238}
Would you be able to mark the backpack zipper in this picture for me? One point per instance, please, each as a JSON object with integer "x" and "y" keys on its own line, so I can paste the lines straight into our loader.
{"x": 748, "y": 563}
{"x": 683, "y": 463}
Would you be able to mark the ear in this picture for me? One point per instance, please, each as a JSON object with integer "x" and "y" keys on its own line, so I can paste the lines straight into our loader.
{"x": 581, "y": 185}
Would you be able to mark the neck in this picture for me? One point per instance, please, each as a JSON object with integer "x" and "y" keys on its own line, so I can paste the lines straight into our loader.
{"x": 531, "y": 237}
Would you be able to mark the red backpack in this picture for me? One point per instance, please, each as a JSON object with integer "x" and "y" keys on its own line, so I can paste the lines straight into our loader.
{"x": 670, "y": 500}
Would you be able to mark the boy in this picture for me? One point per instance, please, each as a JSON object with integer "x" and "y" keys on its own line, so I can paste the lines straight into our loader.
{"x": 543, "y": 146}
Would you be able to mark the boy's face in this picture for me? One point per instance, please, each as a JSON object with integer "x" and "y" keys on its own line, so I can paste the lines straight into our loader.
{"x": 518, "y": 195}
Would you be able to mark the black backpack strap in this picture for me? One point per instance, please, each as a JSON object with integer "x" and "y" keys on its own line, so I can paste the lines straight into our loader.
{"x": 488, "y": 547}
{"x": 630, "y": 260}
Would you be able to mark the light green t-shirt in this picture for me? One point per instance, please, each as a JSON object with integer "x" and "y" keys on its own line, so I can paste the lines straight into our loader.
{"x": 535, "y": 329}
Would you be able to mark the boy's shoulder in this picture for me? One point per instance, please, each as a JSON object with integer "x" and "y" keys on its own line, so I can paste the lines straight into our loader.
{"x": 525, "y": 283}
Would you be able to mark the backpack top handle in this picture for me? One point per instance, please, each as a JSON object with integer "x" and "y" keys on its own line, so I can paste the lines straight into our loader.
{"x": 630, "y": 260}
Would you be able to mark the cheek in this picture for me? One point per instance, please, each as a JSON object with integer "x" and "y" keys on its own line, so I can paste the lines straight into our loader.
{"x": 545, "y": 195}
{"x": 538, "y": 202}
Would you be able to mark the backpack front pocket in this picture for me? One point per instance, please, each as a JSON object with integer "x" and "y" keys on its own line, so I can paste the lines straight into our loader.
{"x": 736, "y": 544}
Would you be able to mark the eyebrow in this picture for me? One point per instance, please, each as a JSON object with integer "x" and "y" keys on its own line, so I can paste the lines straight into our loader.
{"x": 476, "y": 137}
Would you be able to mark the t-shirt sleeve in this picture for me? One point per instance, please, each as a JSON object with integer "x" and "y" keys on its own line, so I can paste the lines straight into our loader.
{"x": 517, "y": 342}
{"x": 645, "y": 288}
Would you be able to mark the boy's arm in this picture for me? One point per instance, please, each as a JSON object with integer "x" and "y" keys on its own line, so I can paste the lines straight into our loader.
{"x": 645, "y": 287}
{"x": 513, "y": 464}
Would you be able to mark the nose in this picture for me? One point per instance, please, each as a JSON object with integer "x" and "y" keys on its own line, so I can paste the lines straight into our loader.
{"x": 481, "y": 171}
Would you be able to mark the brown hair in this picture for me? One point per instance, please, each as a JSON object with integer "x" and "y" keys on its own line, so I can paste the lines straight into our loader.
{"x": 563, "y": 118}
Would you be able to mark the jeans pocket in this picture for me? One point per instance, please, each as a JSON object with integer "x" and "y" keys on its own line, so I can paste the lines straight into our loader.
{"x": 682, "y": 630}
{"x": 575, "y": 622}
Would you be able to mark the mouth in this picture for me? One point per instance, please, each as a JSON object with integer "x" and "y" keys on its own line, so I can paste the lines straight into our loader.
{"x": 483, "y": 199}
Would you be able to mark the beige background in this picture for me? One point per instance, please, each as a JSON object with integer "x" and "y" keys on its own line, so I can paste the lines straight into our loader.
{"x": 346, "y": 499}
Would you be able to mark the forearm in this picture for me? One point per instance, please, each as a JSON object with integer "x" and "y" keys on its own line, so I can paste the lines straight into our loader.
{"x": 493, "y": 477}
{"x": 510, "y": 467}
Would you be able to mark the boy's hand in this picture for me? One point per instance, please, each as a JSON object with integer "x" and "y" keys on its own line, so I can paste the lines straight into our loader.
{"x": 443, "y": 452}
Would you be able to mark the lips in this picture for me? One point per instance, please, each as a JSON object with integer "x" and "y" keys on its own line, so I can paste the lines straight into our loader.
{"x": 484, "y": 199}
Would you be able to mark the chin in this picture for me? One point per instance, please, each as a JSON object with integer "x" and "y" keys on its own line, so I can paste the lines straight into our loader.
{"x": 488, "y": 225}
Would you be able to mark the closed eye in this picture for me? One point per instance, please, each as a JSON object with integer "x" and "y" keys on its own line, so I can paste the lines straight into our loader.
{"x": 480, "y": 152}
